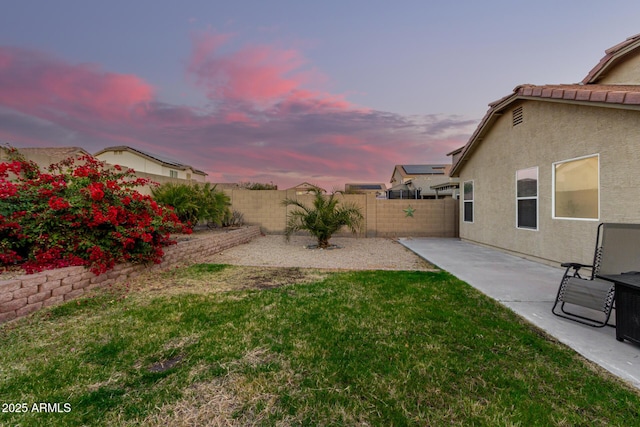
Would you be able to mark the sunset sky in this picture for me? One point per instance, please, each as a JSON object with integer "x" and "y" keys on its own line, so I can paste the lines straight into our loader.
{"x": 326, "y": 92}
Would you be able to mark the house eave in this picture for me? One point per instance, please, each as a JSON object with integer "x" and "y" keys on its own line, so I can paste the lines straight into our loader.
{"x": 612, "y": 57}
{"x": 610, "y": 98}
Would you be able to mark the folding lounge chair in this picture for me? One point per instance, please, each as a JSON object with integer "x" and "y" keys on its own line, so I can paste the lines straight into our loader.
{"x": 617, "y": 251}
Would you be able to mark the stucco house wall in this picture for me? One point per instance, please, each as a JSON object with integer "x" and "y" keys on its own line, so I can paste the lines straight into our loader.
{"x": 131, "y": 160}
{"x": 599, "y": 117}
{"x": 578, "y": 131}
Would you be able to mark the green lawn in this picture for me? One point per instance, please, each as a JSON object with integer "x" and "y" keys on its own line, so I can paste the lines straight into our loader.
{"x": 223, "y": 345}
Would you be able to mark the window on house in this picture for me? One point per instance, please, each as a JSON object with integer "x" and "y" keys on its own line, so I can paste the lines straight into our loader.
{"x": 188, "y": 176}
{"x": 173, "y": 174}
{"x": 468, "y": 201}
{"x": 576, "y": 188}
{"x": 527, "y": 198}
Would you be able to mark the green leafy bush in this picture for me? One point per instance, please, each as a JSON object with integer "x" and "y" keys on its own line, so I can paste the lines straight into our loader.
{"x": 80, "y": 212}
{"x": 193, "y": 203}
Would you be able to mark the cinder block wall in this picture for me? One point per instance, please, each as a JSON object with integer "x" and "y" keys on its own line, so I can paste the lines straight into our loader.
{"x": 383, "y": 218}
{"x": 429, "y": 218}
{"x": 28, "y": 293}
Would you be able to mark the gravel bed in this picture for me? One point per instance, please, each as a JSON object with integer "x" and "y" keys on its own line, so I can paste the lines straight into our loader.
{"x": 351, "y": 254}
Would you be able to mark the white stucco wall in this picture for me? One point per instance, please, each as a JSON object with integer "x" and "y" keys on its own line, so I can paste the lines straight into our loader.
{"x": 142, "y": 164}
{"x": 133, "y": 161}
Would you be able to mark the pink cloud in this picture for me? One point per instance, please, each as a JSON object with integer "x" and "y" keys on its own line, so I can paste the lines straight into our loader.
{"x": 260, "y": 74}
{"x": 269, "y": 119}
{"x": 237, "y": 116}
{"x": 36, "y": 83}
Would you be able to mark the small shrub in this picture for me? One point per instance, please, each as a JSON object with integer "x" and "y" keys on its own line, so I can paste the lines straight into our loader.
{"x": 234, "y": 219}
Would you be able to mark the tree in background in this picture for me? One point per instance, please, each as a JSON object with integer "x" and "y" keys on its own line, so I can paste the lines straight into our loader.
{"x": 257, "y": 186}
{"x": 193, "y": 203}
{"x": 323, "y": 219}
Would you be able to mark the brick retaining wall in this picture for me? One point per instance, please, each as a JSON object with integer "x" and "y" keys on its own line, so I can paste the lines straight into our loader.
{"x": 25, "y": 294}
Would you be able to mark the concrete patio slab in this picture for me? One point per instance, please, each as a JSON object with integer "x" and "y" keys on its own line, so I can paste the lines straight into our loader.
{"x": 529, "y": 289}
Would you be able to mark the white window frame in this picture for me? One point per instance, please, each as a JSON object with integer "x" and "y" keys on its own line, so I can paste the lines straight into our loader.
{"x": 472, "y": 201}
{"x": 553, "y": 188}
{"x": 173, "y": 173}
{"x": 536, "y": 198}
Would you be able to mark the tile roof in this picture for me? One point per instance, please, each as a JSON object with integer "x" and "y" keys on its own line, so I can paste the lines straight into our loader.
{"x": 588, "y": 91}
{"x": 610, "y": 94}
{"x": 611, "y": 57}
{"x": 58, "y": 152}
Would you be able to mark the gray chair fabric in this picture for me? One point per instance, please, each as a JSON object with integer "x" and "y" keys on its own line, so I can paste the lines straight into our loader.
{"x": 587, "y": 299}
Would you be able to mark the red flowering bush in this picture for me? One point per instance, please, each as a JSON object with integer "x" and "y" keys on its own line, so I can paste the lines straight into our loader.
{"x": 78, "y": 213}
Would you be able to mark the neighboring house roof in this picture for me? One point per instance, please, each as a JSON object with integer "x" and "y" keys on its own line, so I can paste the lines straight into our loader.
{"x": 613, "y": 96}
{"x": 365, "y": 187}
{"x": 59, "y": 153}
{"x": 306, "y": 186}
{"x": 424, "y": 169}
{"x": 154, "y": 157}
{"x": 46, "y": 156}
{"x": 456, "y": 151}
{"x": 399, "y": 186}
{"x": 412, "y": 171}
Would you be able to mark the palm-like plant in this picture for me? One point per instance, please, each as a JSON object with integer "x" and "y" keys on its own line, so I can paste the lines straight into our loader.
{"x": 181, "y": 198}
{"x": 193, "y": 202}
{"x": 214, "y": 204}
{"x": 323, "y": 219}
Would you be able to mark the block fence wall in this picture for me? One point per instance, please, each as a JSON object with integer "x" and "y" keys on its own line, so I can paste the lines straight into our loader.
{"x": 30, "y": 292}
{"x": 383, "y": 217}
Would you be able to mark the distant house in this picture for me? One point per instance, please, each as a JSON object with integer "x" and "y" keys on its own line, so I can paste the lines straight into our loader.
{"x": 306, "y": 188}
{"x": 416, "y": 181}
{"x": 363, "y": 188}
{"x": 447, "y": 189}
{"x": 548, "y": 163}
{"x": 151, "y": 164}
{"x": 45, "y": 156}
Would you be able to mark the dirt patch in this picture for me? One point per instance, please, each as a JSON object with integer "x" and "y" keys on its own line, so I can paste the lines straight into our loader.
{"x": 165, "y": 365}
{"x": 229, "y": 279}
{"x": 275, "y": 277}
{"x": 235, "y": 399}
